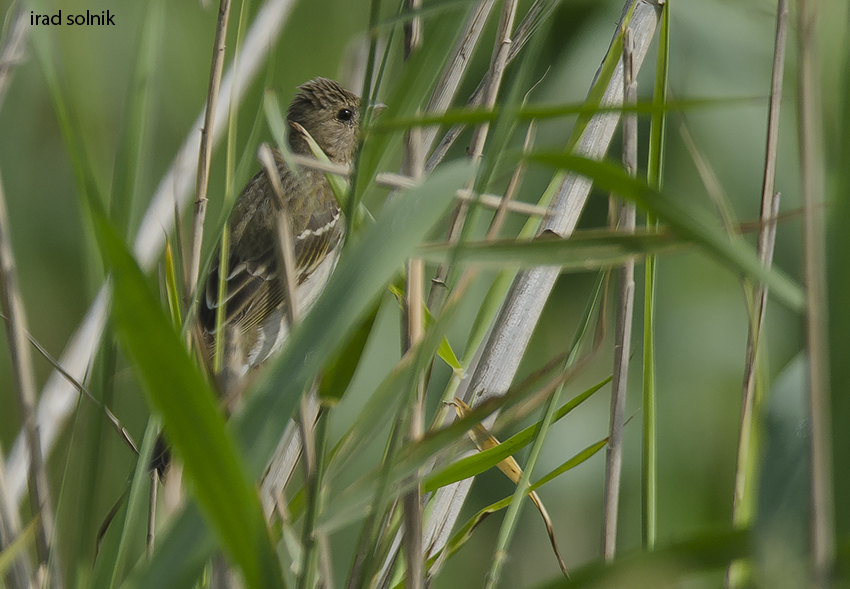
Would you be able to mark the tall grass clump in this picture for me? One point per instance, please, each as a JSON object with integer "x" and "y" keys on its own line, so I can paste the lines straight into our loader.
{"x": 558, "y": 197}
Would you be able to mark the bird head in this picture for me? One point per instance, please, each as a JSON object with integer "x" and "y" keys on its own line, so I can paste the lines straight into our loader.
{"x": 330, "y": 114}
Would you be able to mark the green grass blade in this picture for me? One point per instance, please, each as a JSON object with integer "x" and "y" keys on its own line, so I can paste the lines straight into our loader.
{"x": 655, "y": 170}
{"x": 192, "y": 420}
{"x": 571, "y": 463}
{"x": 180, "y": 556}
{"x": 582, "y": 251}
{"x": 482, "y": 461}
{"x": 838, "y": 277}
{"x": 465, "y": 532}
{"x": 134, "y": 138}
{"x": 691, "y": 223}
{"x": 134, "y": 531}
{"x": 472, "y": 116}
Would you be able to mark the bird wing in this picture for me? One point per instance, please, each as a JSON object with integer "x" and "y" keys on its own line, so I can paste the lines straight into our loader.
{"x": 252, "y": 288}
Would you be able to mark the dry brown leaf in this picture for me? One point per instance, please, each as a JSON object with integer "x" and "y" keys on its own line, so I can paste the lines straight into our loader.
{"x": 483, "y": 440}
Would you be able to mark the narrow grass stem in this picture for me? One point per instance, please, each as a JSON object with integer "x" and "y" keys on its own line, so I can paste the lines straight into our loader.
{"x": 315, "y": 438}
{"x": 285, "y": 251}
{"x": 414, "y": 166}
{"x": 811, "y": 165}
{"x": 205, "y": 151}
{"x": 742, "y": 500}
{"x": 512, "y": 189}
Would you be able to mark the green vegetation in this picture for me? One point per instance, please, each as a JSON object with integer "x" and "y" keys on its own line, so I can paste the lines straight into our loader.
{"x": 99, "y": 129}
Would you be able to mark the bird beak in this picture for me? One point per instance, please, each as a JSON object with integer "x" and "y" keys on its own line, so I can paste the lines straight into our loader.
{"x": 378, "y": 108}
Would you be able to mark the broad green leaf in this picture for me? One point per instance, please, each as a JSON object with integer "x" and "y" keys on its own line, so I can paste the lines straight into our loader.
{"x": 193, "y": 423}
{"x": 337, "y": 376}
{"x": 690, "y": 222}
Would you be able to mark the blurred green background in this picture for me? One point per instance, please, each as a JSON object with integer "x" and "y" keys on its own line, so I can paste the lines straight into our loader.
{"x": 720, "y": 49}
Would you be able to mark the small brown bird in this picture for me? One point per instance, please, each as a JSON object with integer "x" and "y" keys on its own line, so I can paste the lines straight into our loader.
{"x": 255, "y": 304}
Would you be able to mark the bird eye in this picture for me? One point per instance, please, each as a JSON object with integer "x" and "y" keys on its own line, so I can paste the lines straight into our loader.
{"x": 345, "y": 114}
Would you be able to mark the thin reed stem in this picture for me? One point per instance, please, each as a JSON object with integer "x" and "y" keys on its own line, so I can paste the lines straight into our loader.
{"x": 205, "y": 151}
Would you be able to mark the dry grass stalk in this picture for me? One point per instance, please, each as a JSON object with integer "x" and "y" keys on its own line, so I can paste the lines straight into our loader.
{"x": 13, "y": 47}
{"x": 623, "y": 325}
{"x": 521, "y": 36}
{"x": 498, "y": 63}
{"x": 284, "y": 242}
{"x": 447, "y": 86}
{"x": 24, "y": 378}
{"x": 205, "y": 151}
{"x": 512, "y": 189}
{"x": 766, "y": 240}
{"x": 414, "y": 328}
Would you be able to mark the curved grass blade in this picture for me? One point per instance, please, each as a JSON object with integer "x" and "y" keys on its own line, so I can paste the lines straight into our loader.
{"x": 691, "y": 223}
{"x": 511, "y": 468}
{"x": 482, "y": 461}
{"x": 465, "y": 532}
{"x": 582, "y": 251}
{"x": 191, "y": 417}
